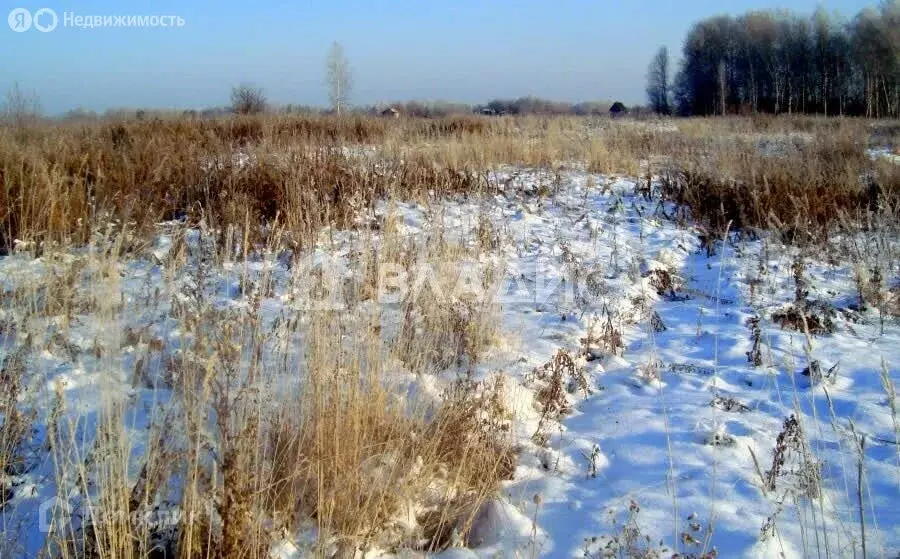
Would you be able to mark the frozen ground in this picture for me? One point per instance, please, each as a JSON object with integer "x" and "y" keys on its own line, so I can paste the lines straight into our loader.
{"x": 885, "y": 153}
{"x": 670, "y": 445}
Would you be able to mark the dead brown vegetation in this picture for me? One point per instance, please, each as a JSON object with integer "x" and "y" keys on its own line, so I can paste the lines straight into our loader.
{"x": 797, "y": 175}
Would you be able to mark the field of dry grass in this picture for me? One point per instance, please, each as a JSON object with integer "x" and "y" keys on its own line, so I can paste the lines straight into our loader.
{"x": 252, "y": 409}
{"x": 60, "y": 182}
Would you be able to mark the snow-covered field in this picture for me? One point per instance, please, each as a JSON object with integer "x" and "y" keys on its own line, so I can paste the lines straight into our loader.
{"x": 691, "y": 422}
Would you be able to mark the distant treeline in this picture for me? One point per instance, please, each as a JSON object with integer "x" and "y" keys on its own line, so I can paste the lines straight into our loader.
{"x": 780, "y": 62}
{"x": 424, "y": 109}
{"x": 520, "y": 106}
{"x": 537, "y": 106}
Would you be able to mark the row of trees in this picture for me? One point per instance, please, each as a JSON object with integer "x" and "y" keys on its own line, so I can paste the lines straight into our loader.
{"x": 538, "y": 106}
{"x": 249, "y": 99}
{"x": 779, "y": 62}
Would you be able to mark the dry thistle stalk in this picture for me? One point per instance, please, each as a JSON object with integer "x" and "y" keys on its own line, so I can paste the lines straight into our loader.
{"x": 755, "y": 354}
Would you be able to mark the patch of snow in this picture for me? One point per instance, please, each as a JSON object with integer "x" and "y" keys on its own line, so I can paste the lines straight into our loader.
{"x": 676, "y": 429}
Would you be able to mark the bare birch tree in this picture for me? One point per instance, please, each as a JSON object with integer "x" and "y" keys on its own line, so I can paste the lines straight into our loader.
{"x": 338, "y": 78}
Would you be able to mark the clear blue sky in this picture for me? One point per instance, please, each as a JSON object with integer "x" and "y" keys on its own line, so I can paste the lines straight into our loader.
{"x": 465, "y": 50}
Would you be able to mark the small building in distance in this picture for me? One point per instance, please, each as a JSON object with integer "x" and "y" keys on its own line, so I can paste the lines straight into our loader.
{"x": 390, "y": 112}
{"x": 618, "y": 109}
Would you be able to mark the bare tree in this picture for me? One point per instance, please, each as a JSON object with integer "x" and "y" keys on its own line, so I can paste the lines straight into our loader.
{"x": 723, "y": 86}
{"x": 658, "y": 82}
{"x": 338, "y": 78}
{"x": 20, "y": 108}
{"x": 247, "y": 99}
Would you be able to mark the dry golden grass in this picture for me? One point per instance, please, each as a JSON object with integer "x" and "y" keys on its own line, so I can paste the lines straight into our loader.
{"x": 59, "y": 182}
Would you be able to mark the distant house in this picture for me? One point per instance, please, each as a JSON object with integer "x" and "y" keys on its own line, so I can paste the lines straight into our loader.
{"x": 618, "y": 109}
{"x": 390, "y": 112}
